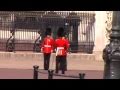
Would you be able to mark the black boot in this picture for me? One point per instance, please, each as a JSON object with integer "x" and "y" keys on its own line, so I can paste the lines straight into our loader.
{"x": 63, "y": 71}
{"x": 46, "y": 68}
{"x": 56, "y": 71}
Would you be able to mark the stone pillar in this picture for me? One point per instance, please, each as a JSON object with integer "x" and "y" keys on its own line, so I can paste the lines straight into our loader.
{"x": 100, "y": 34}
{"x": 111, "y": 53}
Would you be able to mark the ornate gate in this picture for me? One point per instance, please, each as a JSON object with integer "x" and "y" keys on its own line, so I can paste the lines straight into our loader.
{"x": 24, "y": 31}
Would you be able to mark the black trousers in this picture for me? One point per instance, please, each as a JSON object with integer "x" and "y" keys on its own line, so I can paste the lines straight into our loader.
{"x": 65, "y": 63}
{"x": 61, "y": 64}
{"x": 46, "y": 60}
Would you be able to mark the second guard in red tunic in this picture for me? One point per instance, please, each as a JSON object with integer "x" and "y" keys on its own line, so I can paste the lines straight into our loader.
{"x": 65, "y": 37}
{"x": 61, "y": 45}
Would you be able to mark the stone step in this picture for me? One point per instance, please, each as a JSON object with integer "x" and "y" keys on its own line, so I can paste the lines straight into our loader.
{"x": 37, "y": 56}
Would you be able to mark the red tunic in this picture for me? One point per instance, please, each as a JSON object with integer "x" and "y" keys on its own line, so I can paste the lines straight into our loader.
{"x": 47, "y": 45}
{"x": 61, "y": 46}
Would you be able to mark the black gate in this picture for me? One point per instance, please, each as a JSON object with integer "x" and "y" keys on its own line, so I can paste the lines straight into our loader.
{"x": 24, "y": 31}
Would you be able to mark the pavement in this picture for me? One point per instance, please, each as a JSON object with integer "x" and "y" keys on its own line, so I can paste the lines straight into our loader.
{"x": 28, "y": 64}
{"x": 23, "y": 68}
{"x": 28, "y": 60}
{"x": 28, "y": 74}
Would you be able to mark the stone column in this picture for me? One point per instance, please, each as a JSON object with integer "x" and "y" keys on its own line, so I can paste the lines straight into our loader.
{"x": 100, "y": 34}
{"x": 111, "y": 53}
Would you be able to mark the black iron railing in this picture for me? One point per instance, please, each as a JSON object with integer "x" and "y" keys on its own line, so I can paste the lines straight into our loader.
{"x": 79, "y": 27}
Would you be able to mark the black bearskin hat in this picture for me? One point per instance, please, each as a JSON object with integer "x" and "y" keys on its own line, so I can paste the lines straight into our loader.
{"x": 48, "y": 31}
{"x": 60, "y": 32}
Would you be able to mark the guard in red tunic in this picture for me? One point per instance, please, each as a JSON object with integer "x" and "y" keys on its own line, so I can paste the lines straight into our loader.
{"x": 65, "y": 37}
{"x": 61, "y": 46}
{"x": 47, "y": 48}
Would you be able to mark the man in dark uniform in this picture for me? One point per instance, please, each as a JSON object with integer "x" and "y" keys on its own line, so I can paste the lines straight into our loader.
{"x": 47, "y": 48}
{"x": 61, "y": 45}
